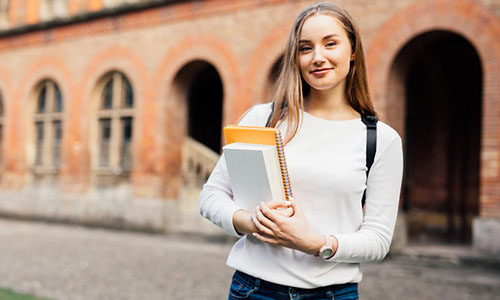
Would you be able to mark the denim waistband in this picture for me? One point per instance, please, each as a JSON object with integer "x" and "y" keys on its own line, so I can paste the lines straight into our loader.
{"x": 263, "y": 284}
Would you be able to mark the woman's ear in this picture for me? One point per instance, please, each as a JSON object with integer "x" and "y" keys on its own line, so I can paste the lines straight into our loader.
{"x": 353, "y": 56}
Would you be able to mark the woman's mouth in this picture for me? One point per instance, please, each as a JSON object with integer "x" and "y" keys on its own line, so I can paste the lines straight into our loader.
{"x": 320, "y": 72}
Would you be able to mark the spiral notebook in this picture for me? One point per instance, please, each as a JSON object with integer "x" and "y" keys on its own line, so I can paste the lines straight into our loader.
{"x": 262, "y": 136}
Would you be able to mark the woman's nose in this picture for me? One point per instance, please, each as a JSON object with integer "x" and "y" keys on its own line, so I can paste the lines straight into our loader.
{"x": 318, "y": 58}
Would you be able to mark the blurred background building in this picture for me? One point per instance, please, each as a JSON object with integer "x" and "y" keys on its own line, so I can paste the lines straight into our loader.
{"x": 111, "y": 110}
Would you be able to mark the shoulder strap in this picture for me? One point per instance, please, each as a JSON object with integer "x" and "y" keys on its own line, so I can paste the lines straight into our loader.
{"x": 268, "y": 123}
{"x": 371, "y": 145}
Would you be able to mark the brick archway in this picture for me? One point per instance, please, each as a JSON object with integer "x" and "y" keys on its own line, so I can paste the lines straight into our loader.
{"x": 482, "y": 30}
{"x": 170, "y": 104}
{"x": 265, "y": 54}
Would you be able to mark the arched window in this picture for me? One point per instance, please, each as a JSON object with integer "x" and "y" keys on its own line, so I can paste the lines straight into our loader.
{"x": 48, "y": 125}
{"x": 115, "y": 123}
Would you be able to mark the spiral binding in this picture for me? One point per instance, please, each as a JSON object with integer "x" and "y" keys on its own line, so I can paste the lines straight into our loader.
{"x": 283, "y": 167}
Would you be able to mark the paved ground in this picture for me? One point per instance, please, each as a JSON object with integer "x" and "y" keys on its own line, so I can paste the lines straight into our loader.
{"x": 71, "y": 262}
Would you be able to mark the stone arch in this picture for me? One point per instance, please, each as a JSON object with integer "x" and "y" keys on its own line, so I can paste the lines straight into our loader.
{"x": 272, "y": 78}
{"x": 195, "y": 48}
{"x": 482, "y": 30}
{"x": 197, "y": 89}
{"x": 438, "y": 73}
{"x": 266, "y": 53}
{"x": 463, "y": 18}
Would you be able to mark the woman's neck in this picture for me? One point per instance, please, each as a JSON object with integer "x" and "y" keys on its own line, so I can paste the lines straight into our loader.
{"x": 329, "y": 104}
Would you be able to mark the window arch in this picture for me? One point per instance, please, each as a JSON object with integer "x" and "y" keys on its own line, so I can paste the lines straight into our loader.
{"x": 48, "y": 122}
{"x": 115, "y": 111}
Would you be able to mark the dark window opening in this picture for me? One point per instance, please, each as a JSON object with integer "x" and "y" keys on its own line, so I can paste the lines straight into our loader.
{"x": 108, "y": 95}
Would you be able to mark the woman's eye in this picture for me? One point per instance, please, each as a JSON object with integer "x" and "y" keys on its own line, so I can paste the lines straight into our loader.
{"x": 305, "y": 48}
{"x": 331, "y": 44}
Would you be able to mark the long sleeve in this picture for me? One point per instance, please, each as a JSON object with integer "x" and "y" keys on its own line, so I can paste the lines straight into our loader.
{"x": 372, "y": 240}
{"x": 216, "y": 199}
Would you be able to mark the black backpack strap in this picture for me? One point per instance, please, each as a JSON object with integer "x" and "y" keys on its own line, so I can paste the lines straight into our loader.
{"x": 371, "y": 145}
{"x": 268, "y": 123}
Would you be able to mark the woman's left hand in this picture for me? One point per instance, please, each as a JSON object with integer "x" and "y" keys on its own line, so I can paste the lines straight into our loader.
{"x": 291, "y": 232}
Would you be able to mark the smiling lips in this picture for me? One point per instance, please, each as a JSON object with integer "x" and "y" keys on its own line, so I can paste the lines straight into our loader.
{"x": 320, "y": 72}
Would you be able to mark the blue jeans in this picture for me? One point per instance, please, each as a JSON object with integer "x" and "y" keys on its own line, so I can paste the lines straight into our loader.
{"x": 244, "y": 286}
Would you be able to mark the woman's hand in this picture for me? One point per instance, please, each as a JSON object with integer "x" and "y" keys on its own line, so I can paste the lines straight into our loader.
{"x": 291, "y": 232}
{"x": 242, "y": 220}
{"x": 283, "y": 208}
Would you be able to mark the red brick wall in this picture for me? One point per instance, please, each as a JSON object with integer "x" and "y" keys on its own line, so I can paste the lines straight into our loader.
{"x": 479, "y": 26}
{"x": 242, "y": 40}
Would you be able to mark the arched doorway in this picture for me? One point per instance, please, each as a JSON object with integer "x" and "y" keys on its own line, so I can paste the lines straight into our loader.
{"x": 439, "y": 74}
{"x": 198, "y": 89}
{"x": 195, "y": 110}
{"x": 204, "y": 98}
{"x": 272, "y": 78}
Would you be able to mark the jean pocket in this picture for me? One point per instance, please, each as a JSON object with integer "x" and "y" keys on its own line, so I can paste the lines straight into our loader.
{"x": 240, "y": 290}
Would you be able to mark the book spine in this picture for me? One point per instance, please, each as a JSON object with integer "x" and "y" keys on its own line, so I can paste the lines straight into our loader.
{"x": 283, "y": 167}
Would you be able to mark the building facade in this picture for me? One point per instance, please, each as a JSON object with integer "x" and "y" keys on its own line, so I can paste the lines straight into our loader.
{"x": 111, "y": 110}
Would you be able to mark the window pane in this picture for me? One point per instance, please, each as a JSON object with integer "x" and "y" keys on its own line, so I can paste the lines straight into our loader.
{"x": 56, "y": 151}
{"x": 41, "y": 100}
{"x": 107, "y": 101}
{"x": 105, "y": 138}
{"x": 129, "y": 95}
{"x": 58, "y": 106}
{"x": 125, "y": 151}
{"x": 39, "y": 143}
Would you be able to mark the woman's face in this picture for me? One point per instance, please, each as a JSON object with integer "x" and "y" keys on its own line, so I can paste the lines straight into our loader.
{"x": 324, "y": 52}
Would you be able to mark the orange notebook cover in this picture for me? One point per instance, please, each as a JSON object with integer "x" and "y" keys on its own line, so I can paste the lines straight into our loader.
{"x": 263, "y": 136}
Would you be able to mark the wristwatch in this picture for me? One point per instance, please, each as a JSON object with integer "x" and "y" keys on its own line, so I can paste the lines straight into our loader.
{"x": 326, "y": 251}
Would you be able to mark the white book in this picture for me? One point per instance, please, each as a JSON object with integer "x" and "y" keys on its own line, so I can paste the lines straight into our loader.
{"x": 254, "y": 173}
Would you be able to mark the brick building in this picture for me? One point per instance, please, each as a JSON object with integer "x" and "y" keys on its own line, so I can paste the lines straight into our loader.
{"x": 111, "y": 110}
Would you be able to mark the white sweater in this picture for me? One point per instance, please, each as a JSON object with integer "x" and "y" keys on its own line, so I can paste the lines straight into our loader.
{"x": 327, "y": 167}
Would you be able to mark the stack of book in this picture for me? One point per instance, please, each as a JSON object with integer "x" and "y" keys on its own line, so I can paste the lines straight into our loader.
{"x": 256, "y": 164}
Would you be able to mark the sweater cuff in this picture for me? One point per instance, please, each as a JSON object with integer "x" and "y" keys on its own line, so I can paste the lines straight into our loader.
{"x": 227, "y": 220}
{"x": 343, "y": 247}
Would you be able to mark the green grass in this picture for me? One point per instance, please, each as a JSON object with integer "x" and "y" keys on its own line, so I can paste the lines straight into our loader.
{"x": 6, "y": 294}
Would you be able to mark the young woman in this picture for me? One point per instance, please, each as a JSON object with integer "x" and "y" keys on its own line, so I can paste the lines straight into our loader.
{"x": 311, "y": 248}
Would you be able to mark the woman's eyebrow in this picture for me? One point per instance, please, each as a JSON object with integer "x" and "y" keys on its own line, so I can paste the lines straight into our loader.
{"x": 329, "y": 36}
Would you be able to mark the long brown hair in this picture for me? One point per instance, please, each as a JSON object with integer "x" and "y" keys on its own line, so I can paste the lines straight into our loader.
{"x": 291, "y": 89}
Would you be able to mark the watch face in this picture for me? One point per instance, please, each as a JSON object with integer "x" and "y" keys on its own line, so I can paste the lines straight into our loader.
{"x": 326, "y": 253}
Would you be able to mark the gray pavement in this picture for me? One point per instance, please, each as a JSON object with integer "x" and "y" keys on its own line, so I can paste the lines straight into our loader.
{"x": 72, "y": 262}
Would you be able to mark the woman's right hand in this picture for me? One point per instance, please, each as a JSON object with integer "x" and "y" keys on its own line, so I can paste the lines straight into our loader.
{"x": 243, "y": 223}
{"x": 283, "y": 208}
